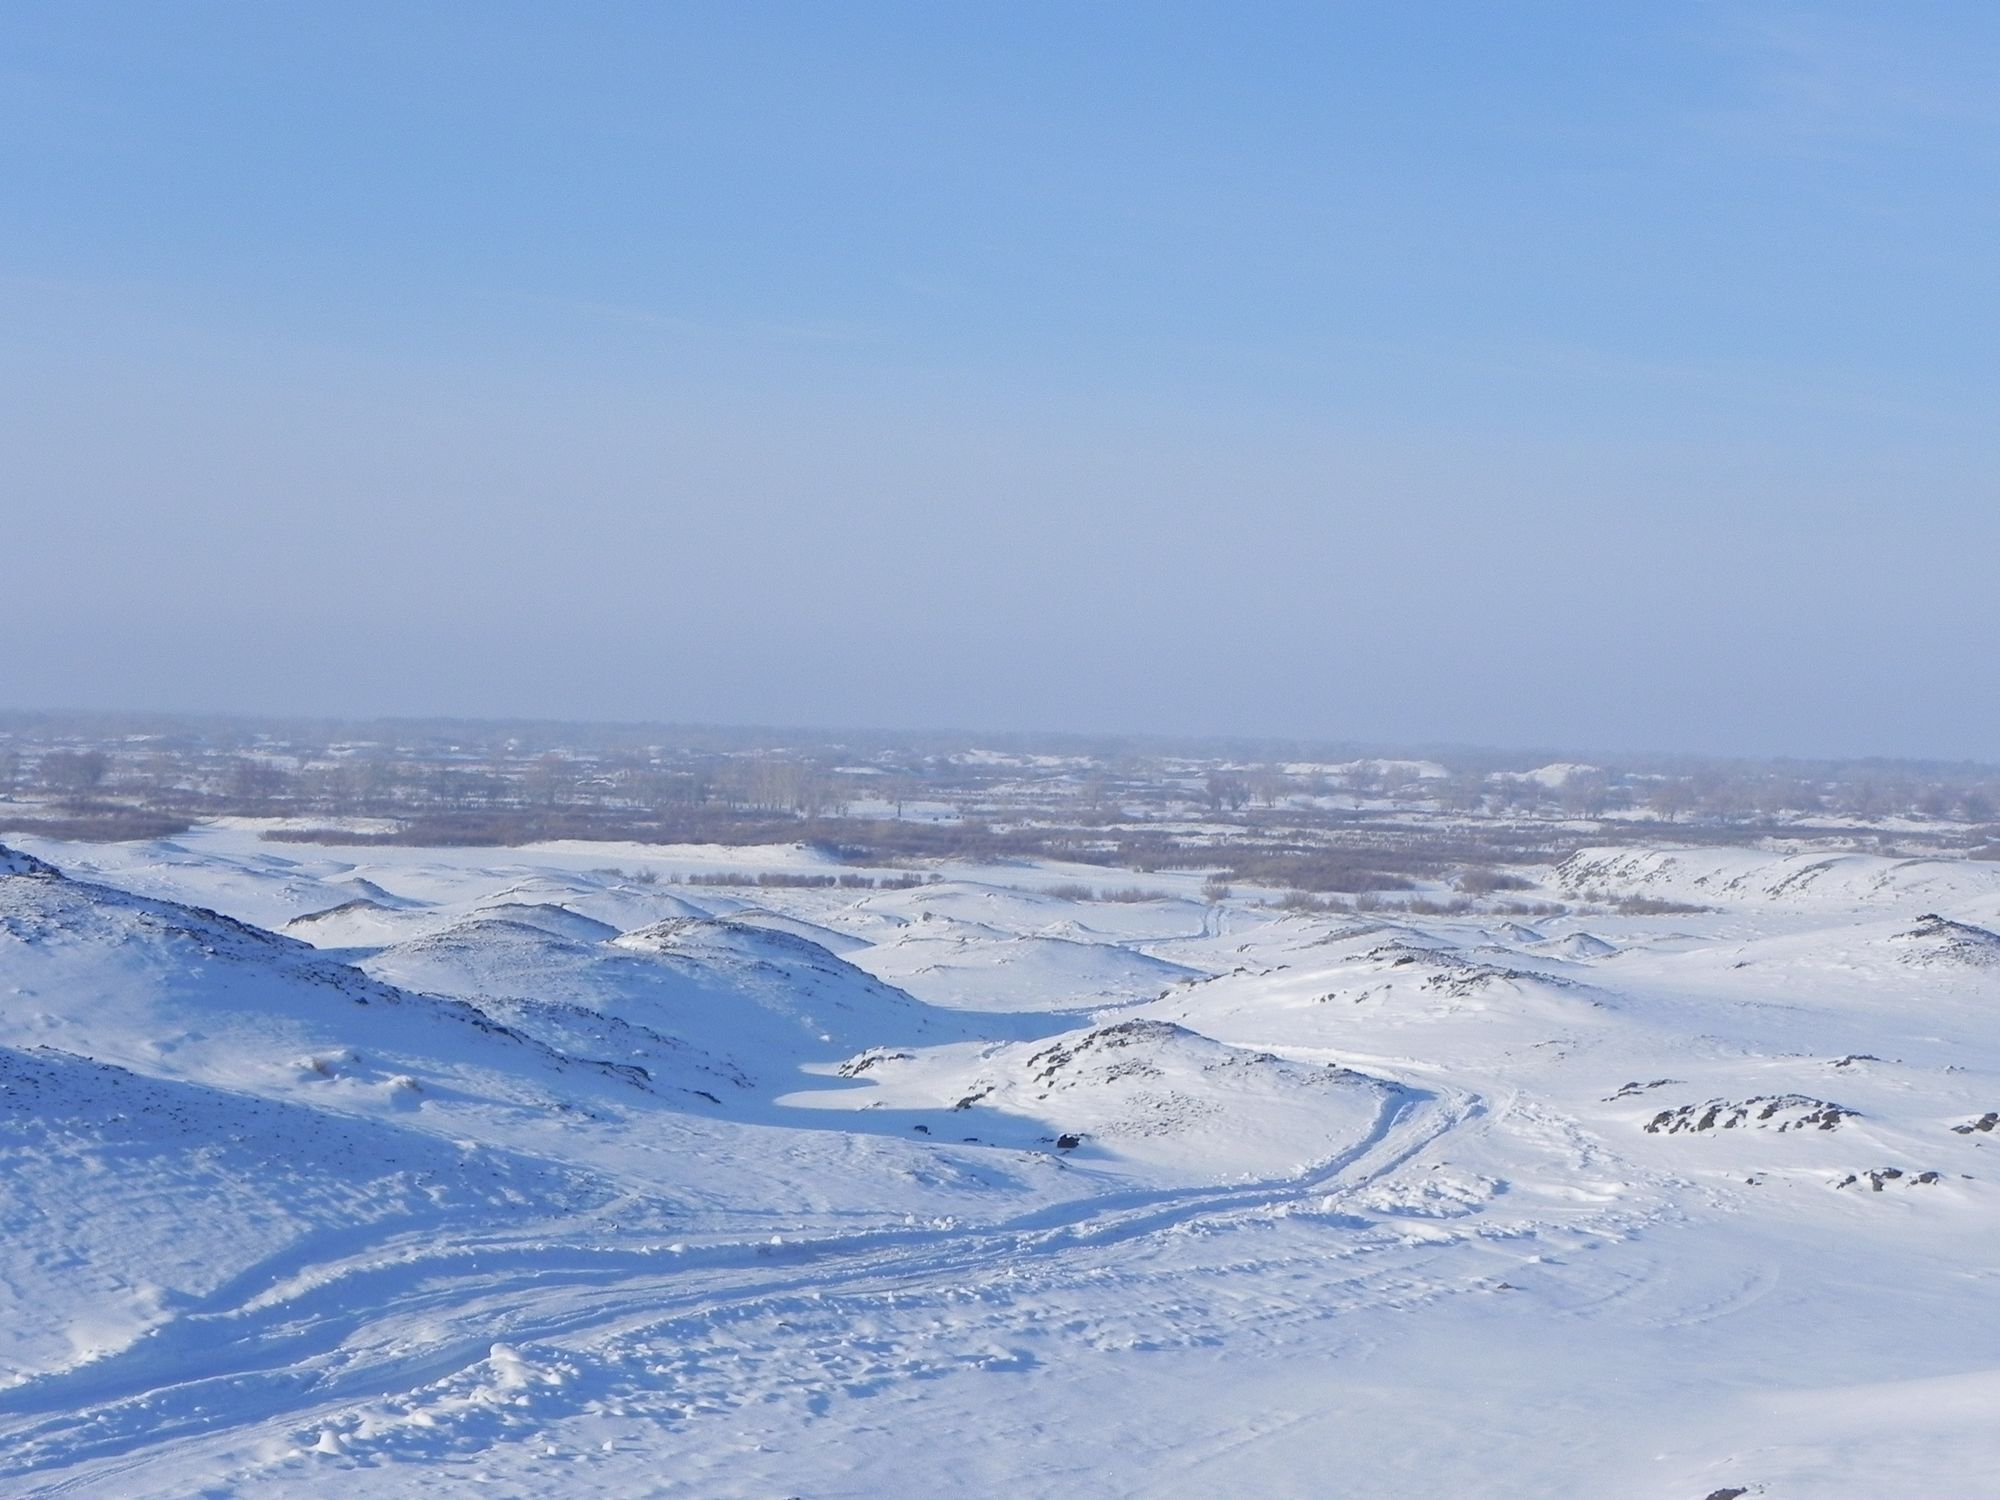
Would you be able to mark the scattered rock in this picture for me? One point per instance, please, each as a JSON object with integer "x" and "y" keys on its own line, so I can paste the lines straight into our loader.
{"x": 1789, "y": 1111}
{"x": 855, "y": 1066}
{"x": 1881, "y": 1177}
{"x": 1640, "y": 1088}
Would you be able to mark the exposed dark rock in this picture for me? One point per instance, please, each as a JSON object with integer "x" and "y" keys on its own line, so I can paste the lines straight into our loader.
{"x": 855, "y": 1066}
{"x": 1640, "y": 1088}
{"x": 1760, "y": 1112}
{"x": 1882, "y": 1177}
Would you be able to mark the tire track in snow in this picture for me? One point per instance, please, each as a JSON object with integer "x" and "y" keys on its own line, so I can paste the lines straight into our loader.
{"x": 287, "y": 1362}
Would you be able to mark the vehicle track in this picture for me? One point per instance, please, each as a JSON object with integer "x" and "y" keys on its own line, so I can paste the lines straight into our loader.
{"x": 373, "y": 1328}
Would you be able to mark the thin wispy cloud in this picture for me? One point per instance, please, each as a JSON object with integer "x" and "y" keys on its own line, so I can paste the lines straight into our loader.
{"x": 1828, "y": 82}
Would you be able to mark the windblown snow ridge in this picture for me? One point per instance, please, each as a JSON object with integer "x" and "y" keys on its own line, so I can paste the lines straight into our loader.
{"x": 161, "y": 953}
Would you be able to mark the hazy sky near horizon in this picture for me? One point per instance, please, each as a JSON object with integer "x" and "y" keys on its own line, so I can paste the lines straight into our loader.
{"x": 1619, "y": 376}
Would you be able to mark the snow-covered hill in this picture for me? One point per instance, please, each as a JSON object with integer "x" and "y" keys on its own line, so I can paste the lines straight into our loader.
{"x": 1137, "y": 1093}
{"x": 184, "y": 992}
{"x": 1829, "y": 882}
{"x": 532, "y": 1172}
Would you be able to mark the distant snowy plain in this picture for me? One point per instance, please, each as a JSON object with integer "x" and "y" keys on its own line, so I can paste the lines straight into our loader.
{"x": 384, "y": 1172}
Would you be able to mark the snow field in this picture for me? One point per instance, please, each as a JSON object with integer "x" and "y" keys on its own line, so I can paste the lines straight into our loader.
{"x": 505, "y": 1172}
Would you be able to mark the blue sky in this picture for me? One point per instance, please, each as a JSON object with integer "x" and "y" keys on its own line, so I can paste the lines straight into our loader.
{"x": 1562, "y": 374}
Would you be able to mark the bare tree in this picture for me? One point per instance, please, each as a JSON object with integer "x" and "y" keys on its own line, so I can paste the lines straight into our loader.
{"x": 549, "y": 781}
{"x": 254, "y": 782}
{"x": 1670, "y": 797}
{"x": 76, "y": 773}
{"x": 1464, "y": 792}
{"x": 1585, "y": 794}
{"x": 1221, "y": 789}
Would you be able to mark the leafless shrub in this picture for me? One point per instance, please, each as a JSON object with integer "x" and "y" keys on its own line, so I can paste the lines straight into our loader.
{"x": 630, "y": 877}
{"x": 1340, "y": 871}
{"x": 769, "y": 879}
{"x": 1306, "y": 902}
{"x": 1483, "y": 880}
{"x": 1133, "y": 895}
{"x": 1424, "y": 906}
{"x": 112, "y": 825}
{"x": 1654, "y": 906}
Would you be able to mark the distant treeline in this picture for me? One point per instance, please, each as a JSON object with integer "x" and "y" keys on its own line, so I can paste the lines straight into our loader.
{"x": 1287, "y": 817}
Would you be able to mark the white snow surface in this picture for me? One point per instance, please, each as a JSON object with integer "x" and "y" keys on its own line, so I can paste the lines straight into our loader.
{"x": 1554, "y": 775}
{"x": 385, "y": 1172}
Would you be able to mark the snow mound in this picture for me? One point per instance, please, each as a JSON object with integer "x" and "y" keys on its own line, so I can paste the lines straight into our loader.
{"x": 368, "y": 890}
{"x": 704, "y": 998}
{"x": 552, "y": 918}
{"x": 1141, "y": 1091}
{"x": 721, "y": 940}
{"x": 1581, "y": 945}
{"x": 1148, "y": 1049}
{"x": 813, "y": 932}
{"x": 309, "y": 920}
{"x": 1450, "y": 974}
{"x": 484, "y": 945}
{"x": 1936, "y": 940}
{"x": 1145, "y": 1085}
{"x": 363, "y": 922}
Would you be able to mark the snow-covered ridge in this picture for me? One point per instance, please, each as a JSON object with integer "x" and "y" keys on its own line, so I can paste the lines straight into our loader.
{"x": 135, "y": 978}
{"x": 1735, "y": 876}
{"x": 1141, "y": 1091}
{"x": 14, "y": 862}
